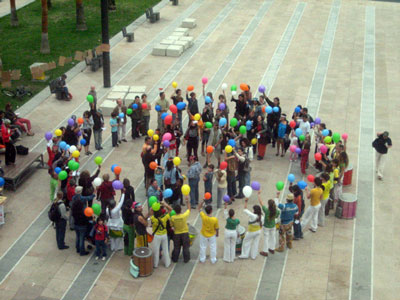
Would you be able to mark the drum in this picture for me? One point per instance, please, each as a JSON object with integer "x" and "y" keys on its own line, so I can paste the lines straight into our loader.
{"x": 348, "y": 203}
{"x": 143, "y": 259}
{"x": 193, "y": 232}
{"x": 348, "y": 175}
{"x": 241, "y": 232}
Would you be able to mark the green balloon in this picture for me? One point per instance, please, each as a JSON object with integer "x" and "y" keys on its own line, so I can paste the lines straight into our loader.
{"x": 234, "y": 122}
{"x": 302, "y": 137}
{"x": 156, "y": 206}
{"x": 242, "y": 129}
{"x": 280, "y": 185}
{"x": 75, "y": 166}
{"x": 129, "y": 111}
{"x": 62, "y": 175}
{"x": 71, "y": 164}
{"x": 152, "y": 200}
{"x": 336, "y": 137}
{"x": 233, "y": 87}
{"x": 98, "y": 160}
{"x": 96, "y": 209}
{"x": 328, "y": 139}
{"x": 172, "y": 213}
{"x": 90, "y": 98}
{"x": 208, "y": 124}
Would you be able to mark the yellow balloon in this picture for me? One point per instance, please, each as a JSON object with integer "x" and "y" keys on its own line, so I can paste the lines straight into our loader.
{"x": 197, "y": 117}
{"x": 254, "y": 141}
{"x": 174, "y": 84}
{"x": 156, "y": 137}
{"x": 185, "y": 189}
{"x": 177, "y": 161}
{"x": 228, "y": 149}
{"x": 75, "y": 154}
{"x": 58, "y": 132}
{"x": 150, "y": 132}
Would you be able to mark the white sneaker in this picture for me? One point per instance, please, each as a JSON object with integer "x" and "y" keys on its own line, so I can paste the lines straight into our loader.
{"x": 104, "y": 258}
{"x": 97, "y": 258}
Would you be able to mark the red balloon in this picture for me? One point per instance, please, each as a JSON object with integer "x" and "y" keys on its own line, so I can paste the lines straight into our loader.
{"x": 153, "y": 165}
{"x": 292, "y": 124}
{"x": 223, "y": 165}
{"x": 207, "y": 196}
{"x": 144, "y": 105}
{"x": 173, "y": 108}
{"x": 117, "y": 170}
{"x": 318, "y": 156}
{"x": 310, "y": 178}
{"x": 168, "y": 120}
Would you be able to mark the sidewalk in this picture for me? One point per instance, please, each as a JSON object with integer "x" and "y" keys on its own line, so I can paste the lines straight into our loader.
{"x": 5, "y": 6}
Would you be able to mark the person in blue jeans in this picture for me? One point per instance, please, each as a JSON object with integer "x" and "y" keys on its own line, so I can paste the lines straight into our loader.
{"x": 193, "y": 175}
{"x": 80, "y": 225}
{"x": 61, "y": 223}
{"x": 288, "y": 211}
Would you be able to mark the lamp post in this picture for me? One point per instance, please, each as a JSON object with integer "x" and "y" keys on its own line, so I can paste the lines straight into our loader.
{"x": 105, "y": 40}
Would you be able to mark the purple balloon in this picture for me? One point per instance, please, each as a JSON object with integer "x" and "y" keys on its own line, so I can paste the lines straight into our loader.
{"x": 71, "y": 122}
{"x": 255, "y": 185}
{"x": 261, "y": 89}
{"x": 298, "y": 150}
{"x": 48, "y": 136}
{"x": 226, "y": 198}
{"x": 222, "y": 106}
{"x": 312, "y": 124}
{"x": 166, "y": 143}
{"x": 317, "y": 121}
{"x": 79, "y": 133}
{"x": 117, "y": 185}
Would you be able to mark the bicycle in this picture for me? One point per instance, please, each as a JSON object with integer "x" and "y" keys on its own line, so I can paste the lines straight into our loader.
{"x": 20, "y": 92}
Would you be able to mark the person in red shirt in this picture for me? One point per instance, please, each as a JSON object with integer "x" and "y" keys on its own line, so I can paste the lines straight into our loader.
{"x": 71, "y": 185}
{"x": 6, "y": 133}
{"x": 100, "y": 238}
{"x": 105, "y": 192}
{"x": 52, "y": 152}
{"x": 304, "y": 157}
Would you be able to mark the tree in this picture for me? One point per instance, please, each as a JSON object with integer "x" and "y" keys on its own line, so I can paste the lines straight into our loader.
{"x": 14, "y": 17}
{"x": 45, "y": 47}
{"x": 80, "y": 16}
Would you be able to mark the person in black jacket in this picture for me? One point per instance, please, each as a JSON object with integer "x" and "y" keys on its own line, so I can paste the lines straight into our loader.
{"x": 127, "y": 216}
{"x": 98, "y": 124}
{"x": 81, "y": 223}
{"x": 274, "y": 117}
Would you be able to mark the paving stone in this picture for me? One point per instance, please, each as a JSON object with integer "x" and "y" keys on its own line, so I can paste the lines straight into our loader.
{"x": 137, "y": 89}
{"x": 121, "y": 88}
{"x": 174, "y": 50}
{"x": 184, "y": 44}
{"x": 184, "y": 30}
{"x": 116, "y": 95}
{"x": 160, "y": 50}
{"x": 178, "y": 33}
{"x": 189, "y": 39}
{"x": 107, "y": 107}
{"x": 189, "y": 23}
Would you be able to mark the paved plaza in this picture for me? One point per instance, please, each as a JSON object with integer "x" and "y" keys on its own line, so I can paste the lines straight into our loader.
{"x": 339, "y": 58}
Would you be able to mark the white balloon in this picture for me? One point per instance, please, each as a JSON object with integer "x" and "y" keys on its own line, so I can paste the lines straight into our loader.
{"x": 224, "y": 86}
{"x": 247, "y": 190}
{"x": 234, "y": 93}
{"x": 97, "y": 181}
{"x": 72, "y": 149}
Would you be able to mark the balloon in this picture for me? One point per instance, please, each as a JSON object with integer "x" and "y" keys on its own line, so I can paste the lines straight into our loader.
{"x": 208, "y": 99}
{"x": 153, "y": 165}
{"x": 80, "y": 121}
{"x": 275, "y": 109}
{"x": 167, "y": 193}
{"x": 167, "y": 136}
{"x": 98, "y": 160}
{"x": 144, "y": 105}
{"x": 79, "y": 133}
{"x": 185, "y": 189}
{"x": 233, "y": 88}
{"x": 164, "y": 115}
{"x": 176, "y": 161}
{"x": 323, "y": 149}
{"x": 261, "y": 88}
{"x": 172, "y": 213}
{"x": 113, "y": 167}
{"x": 83, "y": 142}
{"x": 254, "y": 141}
{"x": 117, "y": 170}
{"x": 268, "y": 109}
{"x": 204, "y": 80}
{"x": 73, "y": 165}
{"x": 302, "y": 138}
{"x": 224, "y": 86}
{"x": 325, "y": 132}
{"x": 156, "y": 206}
{"x": 97, "y": 181}
{"x": 292, "y": 124}
{"x": 208, "y": 125}
{"x": 62, "y": 175}
{"x": 312, "y": 124}
{"x": 181, "y": 105}
{"x": 298, "y": 132}
{"x": 249, "y": 123}
{"x": 226, "y": 198}
{"x": 72, "y": 149}
{"x": 90, "y": 98}
{"x": 222, "y": 122}
{"x": 336, "y": 137}
{"x": 168, "y": 120}
{"x": 232, "y": 143}
{"x": 62, "y": 145}
{"x": 310, "y": 178}
{"x": 247, "y": 191}
{"x": 223, "y": 165}
{"x": 88, "y": 212}
{"x": 345, "y": 136}
{"x": 117, "y": 185}
{"x": 197, "y": 117}
{"x": 174, "y": 84}
{"x": 121, "y": 115}
{"x": 156, "y": 137}
{"x": 233, "y": 93}
{"x": 318, "y": 156}
{"x": 150, "y": 132}
{"x": 242, "y": 129}
{"x": 173, "y": 108}
{"x": 222, "y": 106}
{"x": 75, "y": 154}
{"x": 244, "y": 87}
{"x": 255, "y": 185}
{"x": 57, "y": 170}
{"x": 302, "y": 184}
{"x": 292, "y": 148}
{"x": 152, "y": 200}
{"x": 210, "y": 149}
{"x": 317, "y": 121}
{"x": 291, "y": 178}
{"x": 328, "y": 140}
{"x": 129, "y": 111}
{"x": 228, "y": 149}
{"x": 71, "y": 122}
{"x": 297, "y": 109}
{"x": 280, "y": 185}
{"x": 166, "y": 144}
{"x": 298, "y": 150}
{"x": 233, "y": 122}
{"x": 135, "y": 106}
{"x": 48, "y": 135}
{"x": 207, "y": 196}
{"x": 158, "y": 107}
{"x": 190, "y": 88}
{"x": 96, "y": 209}
{"x": 58, "y": 132}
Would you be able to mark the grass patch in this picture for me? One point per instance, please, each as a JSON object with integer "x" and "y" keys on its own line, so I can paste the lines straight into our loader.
{"x": 20, "y": 46}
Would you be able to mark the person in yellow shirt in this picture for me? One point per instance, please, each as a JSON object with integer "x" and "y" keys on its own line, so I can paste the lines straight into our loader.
{"x": 159, "y": 224}
{"x": 208, "y": 234}
{"x": 326, "y": 183}
{"x": 311, "y": 213}
{"x": 181, "y": 232}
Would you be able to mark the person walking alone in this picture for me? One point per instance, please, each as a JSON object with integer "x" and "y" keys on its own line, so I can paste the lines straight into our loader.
{"x": 381, "y": 144}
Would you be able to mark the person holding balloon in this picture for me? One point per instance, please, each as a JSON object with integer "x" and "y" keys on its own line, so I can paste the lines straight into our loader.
{"x": 177, "y": 100}
{"x": 181, "y": 232}
{"x": 193, "y": 107}
{"x": 304, "y": 157}
{"x": 273, "y": 117}
{"x": 86, "y": 131}
{"x": 208, "y": 234}
{"x": 146, "y": 108}
{"x": 92, "y": 92}
{"x": 269, "y": 229}
{"x": 61, "y": 223}
{"x": 163, "y": 104}
{"x": 264, "y": 134}
{"x": 136, "y": 116}
{"x": 86, "y": 182}
{"x": 288, "y": 211}
{"x": 121, "y": 110}
{"x": 230, "y": 234}
{"x": 115, "y": 223}
{"x": 101, "y": 238}
{"x": 105, "y": 192}
{"x": 311, "y": 213}
{"x": 207, "y": 118}
{"x": 215, "y": 139}
{"x": 81, "y": 223}
{"x": 193, "y": 175}
{"x": 192, "y": 139}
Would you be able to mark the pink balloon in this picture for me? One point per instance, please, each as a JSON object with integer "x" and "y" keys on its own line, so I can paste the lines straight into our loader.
{"x": 323, "y": 149}
{"x": 292, "y": 148}
{"x": 167, "y": 136}
{"x": 204, "y": 80}
{"x": 345, "y": 136}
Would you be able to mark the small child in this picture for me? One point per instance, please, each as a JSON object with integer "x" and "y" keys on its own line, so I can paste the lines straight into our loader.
{"x": 101, "y": 238}
{"x": 114, "y": 129}
{"x": 293, "y": 142}
{"x": 158, "y": 175}
{"x": 208, "y": 177}
{"x": 304, "y": 157}
{"x": 71, "y": 185}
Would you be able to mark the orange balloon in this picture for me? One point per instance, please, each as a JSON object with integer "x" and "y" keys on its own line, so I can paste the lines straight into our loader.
{"x": 153, "y": 165}
{"x": 210, "y": 149}
{"x": 263, "y": 109}
{"x": 88, "y": 212}
{"x": 200, "y": 123}
{"x": 207, "y": 196}
{"x": 190, "y": 88}
{"x": 117, "y": 170}
{"x": 80, "y": 121}
{"x": 244, "y": 87}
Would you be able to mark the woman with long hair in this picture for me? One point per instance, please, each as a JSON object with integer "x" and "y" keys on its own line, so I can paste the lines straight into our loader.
{"x": 230, "y": 234}
{"x": 311, "y": 213}
{"x": 269, "y": 230}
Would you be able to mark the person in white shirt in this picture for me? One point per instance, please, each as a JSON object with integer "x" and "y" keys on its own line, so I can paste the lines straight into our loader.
{"x": 115, "y": 224}
{"x": 304, "y": 125}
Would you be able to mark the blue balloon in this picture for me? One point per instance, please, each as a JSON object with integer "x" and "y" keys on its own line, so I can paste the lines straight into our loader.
{"x": 268, "y": 109}
{"x": 2, "y": 181}
{"x": 112, "y": 167}
{"x": 222, "y": 122}
{"x": 63, "y": 145}
{"x": 249, "y": 123}
{"x": 167, "y": 193}
{"x": 232, "y": 142}
{"x": 298, "y": 132}
{"x": 275, "y": 109}
{"x": 297, "y": 109}
{"x": 325, "y": 132}
{"x": 164, "y": 115}
{"x": 291, "y": 178}
{"x": 121, "y": 115}
{"x": 181, "y": 105}
{"x": 208, "y": 99}
{"x": 57, "y": 170}
{"x": 67, "y": 147}
{"x": 158, "y": 107}
{"x": 83, "y": 142}
{"x": 302, "y": 184}
{"x": 135, "y": 106}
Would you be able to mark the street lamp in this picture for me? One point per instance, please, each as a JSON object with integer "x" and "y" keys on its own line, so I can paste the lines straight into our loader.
{"x": 105, "y": 40}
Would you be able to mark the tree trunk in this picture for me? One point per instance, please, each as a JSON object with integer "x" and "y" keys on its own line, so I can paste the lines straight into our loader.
{"x": 80, "y": 16}
{"x": 45, "y": 47}
{"x": 14, "y": 17}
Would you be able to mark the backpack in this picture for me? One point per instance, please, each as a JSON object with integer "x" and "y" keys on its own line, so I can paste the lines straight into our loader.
{"x": 54, "y": 212}
{"x": 21, "y": 150}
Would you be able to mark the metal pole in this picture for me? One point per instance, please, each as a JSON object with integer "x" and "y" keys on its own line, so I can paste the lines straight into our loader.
{"x": 105, "y": 40}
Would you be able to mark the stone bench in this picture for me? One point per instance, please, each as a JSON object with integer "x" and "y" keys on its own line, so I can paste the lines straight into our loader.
{"x": 185, "y": 31}
{"x": 121, "y": 88}
{"x": 174, "y": 50}
{"x": 141, "y": 89}
{"x": 188, "y": 39}
{"x": 160, "y": 50}
{"x": 128, "y": 35}
{"x": 107, "y": 107}
{"x": 189, "y": 23}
